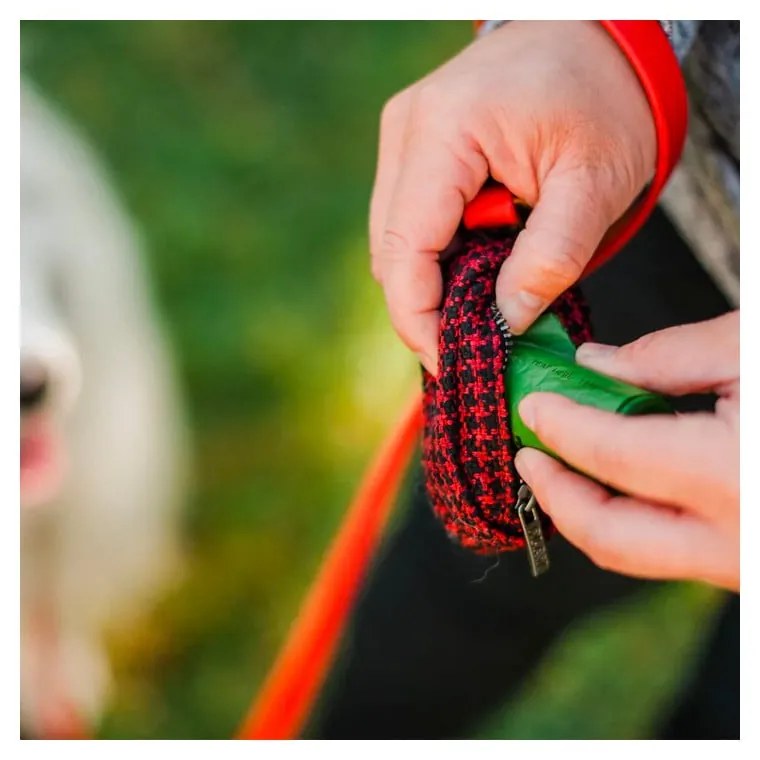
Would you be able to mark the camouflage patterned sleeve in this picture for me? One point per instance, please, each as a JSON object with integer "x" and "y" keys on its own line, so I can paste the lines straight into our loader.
{"x": 682, "y": 35}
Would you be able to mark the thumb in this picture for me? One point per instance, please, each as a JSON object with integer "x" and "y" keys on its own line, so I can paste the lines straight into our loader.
{"x": 693, "y": 358}
{"x": 562, "y": 232}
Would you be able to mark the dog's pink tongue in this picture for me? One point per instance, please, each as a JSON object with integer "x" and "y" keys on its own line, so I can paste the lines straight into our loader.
{"x": 41, "y": 463}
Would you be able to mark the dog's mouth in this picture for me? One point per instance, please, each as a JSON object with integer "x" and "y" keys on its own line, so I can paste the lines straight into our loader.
{"x": 42, "y": 461}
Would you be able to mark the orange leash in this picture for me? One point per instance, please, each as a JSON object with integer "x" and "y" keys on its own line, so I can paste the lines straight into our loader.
{"x": 292, "y": 686}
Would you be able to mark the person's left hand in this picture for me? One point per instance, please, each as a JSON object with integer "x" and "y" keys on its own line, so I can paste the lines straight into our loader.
{"x": 680, "y": 517}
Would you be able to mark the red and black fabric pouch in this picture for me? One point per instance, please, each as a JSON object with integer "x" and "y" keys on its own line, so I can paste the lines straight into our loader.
{"x": 468, "y": 448}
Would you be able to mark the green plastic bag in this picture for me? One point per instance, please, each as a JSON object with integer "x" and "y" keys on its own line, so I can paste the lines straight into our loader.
{"x": 543, "y": 359}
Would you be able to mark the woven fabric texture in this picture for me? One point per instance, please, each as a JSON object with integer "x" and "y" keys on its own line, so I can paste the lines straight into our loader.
{"x": 468, "y": 452}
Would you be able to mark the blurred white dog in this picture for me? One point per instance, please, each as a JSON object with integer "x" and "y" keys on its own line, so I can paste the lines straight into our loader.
{"x": 102, "y": 440}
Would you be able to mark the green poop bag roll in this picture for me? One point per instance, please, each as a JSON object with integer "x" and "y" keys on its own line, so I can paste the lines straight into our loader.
{"x": 543, "y": 359}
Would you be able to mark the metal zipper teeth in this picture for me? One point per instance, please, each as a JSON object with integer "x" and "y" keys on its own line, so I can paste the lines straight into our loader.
{"x": 501, "y": 323}
{"x": 508, "y": 343}
{"x": 526, "y": 505}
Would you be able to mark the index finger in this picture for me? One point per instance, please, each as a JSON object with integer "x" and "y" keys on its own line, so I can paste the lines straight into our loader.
{"x": 393, "y": 123}
{"x": 668, "y": 459}
{"x": 435, "y": 182}
{"x": 624, "y": 534}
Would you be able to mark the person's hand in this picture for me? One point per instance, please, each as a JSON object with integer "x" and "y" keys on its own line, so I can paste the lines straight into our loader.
{"x": 680, "y": 518}
{"x": 550, "y": 109}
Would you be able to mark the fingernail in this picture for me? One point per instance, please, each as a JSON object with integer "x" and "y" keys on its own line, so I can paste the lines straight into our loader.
{"x": 591, "y": 354}
{"x": 521, "y": 309}
{"x": 521, "y": 463}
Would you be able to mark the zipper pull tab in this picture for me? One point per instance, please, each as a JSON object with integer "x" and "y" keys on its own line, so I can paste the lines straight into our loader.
{"x": 527, "y": 511}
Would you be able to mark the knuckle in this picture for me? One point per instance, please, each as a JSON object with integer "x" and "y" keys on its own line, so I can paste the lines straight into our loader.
{"x": 433, "y": 111}
{"x": 640, "y": 352}
{"x": 429, "y": 97}
{"x": 557, "y": 265}
{"x": 444, "y": 114}
{"x": 394, "y": 109}
{"x": 393, "y": 245}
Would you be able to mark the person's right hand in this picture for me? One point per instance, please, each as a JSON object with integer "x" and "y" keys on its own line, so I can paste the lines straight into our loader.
{"x": 550, "y": 109}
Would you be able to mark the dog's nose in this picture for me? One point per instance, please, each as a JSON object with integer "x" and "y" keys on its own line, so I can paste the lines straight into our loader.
{"x": 34, "y": 387}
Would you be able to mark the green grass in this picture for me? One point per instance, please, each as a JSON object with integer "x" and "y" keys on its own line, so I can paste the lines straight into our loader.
{"x": 615, "y": 675}
{"x": 245, "y": 153}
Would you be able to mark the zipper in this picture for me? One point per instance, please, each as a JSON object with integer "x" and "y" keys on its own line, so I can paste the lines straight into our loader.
{"x": 526, "y": 505}
{"x": 530, "y": 519}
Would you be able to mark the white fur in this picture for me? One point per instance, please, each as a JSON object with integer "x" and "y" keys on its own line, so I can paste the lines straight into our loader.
{"x": 99, "y": 551}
